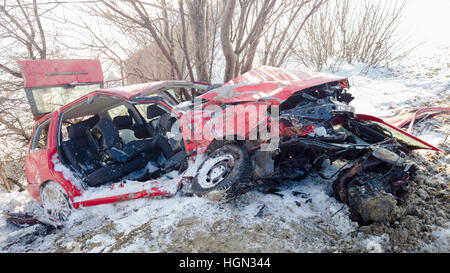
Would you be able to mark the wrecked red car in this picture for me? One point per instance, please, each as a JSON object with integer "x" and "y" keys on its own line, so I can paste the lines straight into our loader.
{"x": 94, "y": 146}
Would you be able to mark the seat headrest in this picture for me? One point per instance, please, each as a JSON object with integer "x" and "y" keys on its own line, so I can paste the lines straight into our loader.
{"x": 123, "y": 122}
{"x": 79, "y": 129}
{"x": 154, "y": 111}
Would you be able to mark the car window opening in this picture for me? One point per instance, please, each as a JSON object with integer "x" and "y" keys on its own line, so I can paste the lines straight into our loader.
{"x": 110, "y": 139}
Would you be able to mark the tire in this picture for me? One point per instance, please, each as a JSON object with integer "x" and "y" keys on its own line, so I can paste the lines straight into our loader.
{"x": 336, "y": 188}
{"x": 55, "y": 200}
{"x": 369, "y": 199}
{"x": 224, "y": 175}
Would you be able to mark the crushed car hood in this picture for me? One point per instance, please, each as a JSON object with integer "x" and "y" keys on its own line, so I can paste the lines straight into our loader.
{"x": 269, "y": 83}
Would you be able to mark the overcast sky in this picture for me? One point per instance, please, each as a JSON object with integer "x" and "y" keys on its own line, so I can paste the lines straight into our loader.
{"x": 427, "y": 21}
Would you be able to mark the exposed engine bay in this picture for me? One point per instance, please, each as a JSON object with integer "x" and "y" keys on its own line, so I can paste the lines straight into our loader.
{"x": 318, "y": 127}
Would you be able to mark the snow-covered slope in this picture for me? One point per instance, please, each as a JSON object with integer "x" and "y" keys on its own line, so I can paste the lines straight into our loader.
{"x": 303, "y": 219}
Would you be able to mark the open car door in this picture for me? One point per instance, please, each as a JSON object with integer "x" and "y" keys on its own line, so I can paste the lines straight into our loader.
{"x": 50, "y": 84}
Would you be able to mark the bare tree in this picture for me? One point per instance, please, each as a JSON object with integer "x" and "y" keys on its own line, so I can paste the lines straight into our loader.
{"x": 7, "y": 182}
{"x": 283, "y": 34}
{"x": 249, "y": 27}
{"x": 345, "y": 32}
{"x": 22, "y": 37}
{"x": 188, "y": 28}
{"x": 185, "y": 34}
{"x": 135, "y": 11}
{"x": 198, "y": 19}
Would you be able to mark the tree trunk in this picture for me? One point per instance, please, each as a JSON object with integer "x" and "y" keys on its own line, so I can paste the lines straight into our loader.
{"x": 227, "y": 47}
{"x": 197, "y": 17}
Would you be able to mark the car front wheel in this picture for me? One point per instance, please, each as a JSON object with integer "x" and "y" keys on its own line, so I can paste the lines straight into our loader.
{"x": 224, "y": 174}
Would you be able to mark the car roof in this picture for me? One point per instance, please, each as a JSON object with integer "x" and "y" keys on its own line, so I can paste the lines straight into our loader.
{"x": 148, "y": 88}
{"x": 128, "y": 92}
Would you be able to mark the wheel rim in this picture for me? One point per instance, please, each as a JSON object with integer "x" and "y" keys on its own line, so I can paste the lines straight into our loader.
{"x": 215, "y": 170}
{"x": 55, "y": 201}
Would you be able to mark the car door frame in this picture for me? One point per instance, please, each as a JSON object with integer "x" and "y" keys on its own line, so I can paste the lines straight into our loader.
{"x": 38, "y": 160}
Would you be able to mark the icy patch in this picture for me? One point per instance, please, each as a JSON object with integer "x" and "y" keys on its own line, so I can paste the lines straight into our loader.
{"x": 374, "y": 244}
{"x": 443, "y": 236}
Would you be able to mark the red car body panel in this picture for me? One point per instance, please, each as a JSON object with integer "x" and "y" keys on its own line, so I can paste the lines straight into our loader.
{"x": 39, "y": 73}
{"x": 37, "y": 164}
{"x": 209, "y": 125}
{"x": 122, "y": 197}
{"x": 260, "y": 88}
{"x": 271, "y": 84}
{"x": 405, "y": 117}
{"x": 372, "y": 118}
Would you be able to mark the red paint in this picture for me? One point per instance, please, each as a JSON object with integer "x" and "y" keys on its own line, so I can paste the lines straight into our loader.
{"x": 289, "y": 131}
{"x": 37, "y": 163}
{"x": 38, "y": 73}
{"x": 404, "y": 118}
{"x": 372, "y": 118}
{"x": 270, "y": 83}
{"x": 118, "y": 198}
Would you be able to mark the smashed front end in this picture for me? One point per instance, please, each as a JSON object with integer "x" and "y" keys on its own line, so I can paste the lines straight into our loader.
{"x": 319, "y": 127}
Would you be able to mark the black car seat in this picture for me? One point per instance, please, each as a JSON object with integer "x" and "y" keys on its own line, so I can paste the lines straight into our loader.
{"x": 139, "y": 129}
{"x": 77, "y": 149}
{"x": 153, "y": 111}
{"x": 126, "y": 122}
{"x": 123, "y": 122}
{"x": 84, "y": 157}
{"x": 112, "y": 145}
{"x": 115, "y": 171}
{"x": 126, "y": 158}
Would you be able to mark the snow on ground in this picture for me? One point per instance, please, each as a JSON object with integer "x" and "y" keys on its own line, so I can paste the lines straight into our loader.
{"x": 303, "y": 219}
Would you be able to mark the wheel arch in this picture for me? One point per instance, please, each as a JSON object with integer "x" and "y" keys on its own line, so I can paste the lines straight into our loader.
{"x": 235, "y": 139}
{"x": 43, "y": 184}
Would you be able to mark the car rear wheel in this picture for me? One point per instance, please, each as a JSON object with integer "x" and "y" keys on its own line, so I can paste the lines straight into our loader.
{"x": 224, "y": 174}
{"x": 55, "y": 201}
{"x": 369, "y": 197}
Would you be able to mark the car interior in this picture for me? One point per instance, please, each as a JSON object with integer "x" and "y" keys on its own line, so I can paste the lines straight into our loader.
{"x": 107, "y": 139}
